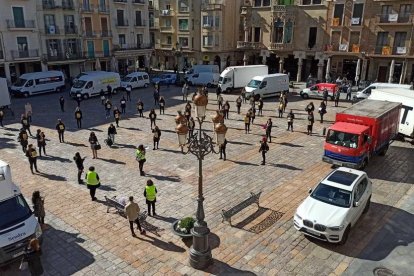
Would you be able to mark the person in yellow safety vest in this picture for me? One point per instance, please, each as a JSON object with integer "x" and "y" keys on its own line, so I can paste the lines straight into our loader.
{"x": 150, "y": 194}
{"x": 92, "y": 182}
{"x": 140, "y": 156}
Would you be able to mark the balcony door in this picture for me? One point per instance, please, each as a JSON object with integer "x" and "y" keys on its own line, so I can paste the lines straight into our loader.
{"x": 120, "y": 17}
{"x": 22, "y": 45}
{"x": 138, "y": 18}
{"x": 18, "y": 16}
{"x": 105, "y": 46}
{"x": 91, "y": 49}
{"x": 88, "y": 25}
{"x": 104, "y": 26}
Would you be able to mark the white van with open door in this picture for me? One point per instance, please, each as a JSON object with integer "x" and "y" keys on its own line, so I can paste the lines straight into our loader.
{"x": 38, "y": 83}
{"x": 135, "y": 80}
{"x": 17, "y": 222}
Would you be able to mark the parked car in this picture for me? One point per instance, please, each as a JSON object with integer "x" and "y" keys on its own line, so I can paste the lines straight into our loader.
{"x": 334, "y": 206}
{"x": 316, "y": 91}
{"x": 165, "y": 79}
{"x": 135, "y": 80}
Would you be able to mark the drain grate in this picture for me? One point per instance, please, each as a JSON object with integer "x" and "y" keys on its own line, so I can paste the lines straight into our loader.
{"x": 382, "y": 271}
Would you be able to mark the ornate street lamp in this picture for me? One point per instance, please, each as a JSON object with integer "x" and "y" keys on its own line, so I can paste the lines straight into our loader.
{"x": 200, "y": 144}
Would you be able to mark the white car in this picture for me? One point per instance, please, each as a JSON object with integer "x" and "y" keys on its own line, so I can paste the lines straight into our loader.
{"x": 334, "y": 206}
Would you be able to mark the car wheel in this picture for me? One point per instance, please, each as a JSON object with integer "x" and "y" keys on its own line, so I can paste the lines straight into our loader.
{"x": 383, "y": 151}
{"x": 345, "y": 235}
{"x": 367, "y": 205}
{"x": 58, "y": 90}
{"x": 86, "y": 96}
{"x": 146, "y": 85}
{"x": 26, "y": 94}
{"x": 364, "y": 164}
{"x": 209, "y": 85}
{"x": 305, "y": 96}
{"x": 114, "y": 91}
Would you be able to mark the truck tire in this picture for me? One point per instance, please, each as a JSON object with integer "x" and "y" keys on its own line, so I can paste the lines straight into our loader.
{"x": 228, "y": 90}
{"x": 209, "y": 85}
{"x": 384, "y": 151}
{"x": 146, "y": 85}
{"x": 58, "y": 90}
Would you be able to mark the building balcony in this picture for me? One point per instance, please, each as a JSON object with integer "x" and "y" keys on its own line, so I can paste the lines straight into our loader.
{"x": 68, "y": 5}
{"x": 140, "y": 23}
{"x": 138, "y": 46}
{"x": 121, "y": 1}
{"x": 71, "y": 30}
{"x": 394, "y": 19}
{"x": 166, "y": 29}
{"x": 184, "y": 10}
{"x": 208, "y": 45}
{"x": 385, "y": 50}
{"x": 121, "y": 23}
{"x": 52, "y": 30}
{"x": 63, "y": 56}
{"x": 167, "y": 13}
{"x": 1, "y": 54}
{"x": 103, "y": 9}
{"x": 140, "y": 2}
{"x": 166, "y": 45}
{"x": 280, "y": 46}
{"x": 150, "y": 5}
{"x": 153, "y": 25}
{"x": 87, "y": 8}
{"x": 211, "y": 7}
{"x": 90, "y": 34}
{"x": 183, "y": 29}
{"x": 249, "y": 45}
{"x": 96, "y": 54}
{"x": 50, "y": 5}
{"x": 20, "y": 24}
{"x": 32, "y": 53}
{"x": 343, "y": 47}
{"x": 106, "y": 33}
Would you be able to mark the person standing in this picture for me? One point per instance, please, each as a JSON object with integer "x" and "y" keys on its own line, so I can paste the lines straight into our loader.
{"x": 238, "y": 104}
{"x": 325, "y": 96}
{"x": 79, "y": 164}
{"x": 23, "y": 139}
{"x": 41, "y": 142}
{"x": 31, "y": 154}
{"x": 32, "y": 256}
{"x": 252, "y": 100}
{"x": 123, "y": 105}
{"x": 337, "y": 96}
{"x": 60, "y": 127}
{"x": 25, "y": 124}
{"x": 222, "y": 149}
{"x": 103, "y": 99}
{"x": 348, "y": 93}
{"x": 108, "y": 108}
{"x": 218, "y": 92}
{"x": 150, "y": 194}
{"x": 162, "y": 105}
{"x": 264, "y": 148}
{"x": 117, "y": 115}
{"x": 140, "y": 108}
{"x": 128, "y": 90}
{"x": 247, "y": 123}
{"x": 184, "y": 90}
{"x": 187, "y": 111}
{"x": 153, "y": 117}
{"x": 38, "y": 207}
{"x": 310, "y": 107}
{"x": 290, "y": 118}
{"x": 226, "y": 109}
{"x": 243, "y": 95}
{"x": 220, "y": 101}
{"x": 284, "y": 100}
{"x": 112, "y": 132}
{"x": 62, "y": 103}
{"x": 1, "y": 117}
{"x": 268, "y": 128}
{"x": 93, "y": 141}
{"x": 156, "y": 96}
{"x": 132, "y": 213}
{"x": 280, "y": 109}
{"x": 78, "y": 117}
{"x": 322, "y": 110}
{"x": 252, "y": 114}
{"x": 260, "y": 107}
{"x": 28, "y": 111}
{"x": 156, "y": 137}
{"x": 140, "y": 156}
{"x": 311, "y": 120}
{"x": 92, "y": 182}
{"x": 109, "y": 91}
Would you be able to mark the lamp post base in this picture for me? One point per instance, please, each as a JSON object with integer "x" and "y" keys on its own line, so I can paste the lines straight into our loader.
{"x": 200, "y": 251}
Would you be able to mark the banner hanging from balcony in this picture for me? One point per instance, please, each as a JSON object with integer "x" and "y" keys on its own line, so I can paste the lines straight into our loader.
{"x": 393, "y": 17}
{"x": 401, "y": 50}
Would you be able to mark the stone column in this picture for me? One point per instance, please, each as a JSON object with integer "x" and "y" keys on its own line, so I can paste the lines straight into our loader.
{"x": 390, "y": 77}
{"x": 321, "y": 64}
{"x": 281, "y": 62}
{"x": 299, "y": 75}
{"x": 245, "y": 58}
{"x": 7, "y": 72}
{"x": 44, "y": 66}
{"x": 364, "y": 69}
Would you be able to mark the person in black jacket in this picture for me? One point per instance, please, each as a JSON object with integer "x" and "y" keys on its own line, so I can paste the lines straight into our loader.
{"x": 62, "y": 103}
{"x": 322, "y": 110}
{"x": 260, "y": 107}
{"x": 41, "y": 142}
{"x": 264, "y": 148}
{"x": 123, "y": 105}
{"x": 23, "y": 139}
{"x": 1, "y": 117}
{"x": 109, "y": 91}
{"x": 269, "y": 126}
{"x": 222, "y": 149}
{"x": 32, "y": 157}
{"x": 79, "y": 164}
{"x": 112, "y": 132}
{"x": 140, "y": 108}
{"x": 60, "y": 127}
{"x": 117, "y": 115}
{"x": 78, "y": 117}
{"x": 32, "y": 256}
{"x": 152, "y": 116}
{"x": 311, "y": 120}
{"x": 157, "y": 135}
{"x": 162, "y": 105}
{"x": 25, "y": 124}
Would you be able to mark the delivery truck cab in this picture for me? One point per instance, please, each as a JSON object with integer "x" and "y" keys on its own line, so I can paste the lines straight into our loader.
{"x": 363, "y": 94}
{"x": 135, "y": 80}
{"x": 208, "y": 79}
{"x": 316, "y": 90}
{"x": 17, "y": 222}
{"x": 92, "y": 83}
{"x": 267, "y": 86}
{"x": 39, "y": 83}
{"x": 360, "y": 132}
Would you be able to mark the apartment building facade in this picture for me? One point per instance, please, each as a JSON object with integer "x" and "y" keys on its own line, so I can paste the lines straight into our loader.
{"x": 130, "y": 31}
{"x": 19, "y": 39}
{"x": 60, "y": 37}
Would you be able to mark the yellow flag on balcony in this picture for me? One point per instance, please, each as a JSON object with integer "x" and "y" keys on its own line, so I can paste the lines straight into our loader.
{"x": 386, "y": 50}
{"x": 335, "y": 21}
{"x": 355, "y": 48}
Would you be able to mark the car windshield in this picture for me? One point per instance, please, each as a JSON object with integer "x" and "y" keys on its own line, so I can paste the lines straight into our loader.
{"x": 254, "y": 83}
{"x": 342, "y": 139}
{"x": 126, "y": 79}
{"x": 20, "y": 82}
{"x": 13, "y": 211}
{"x": 79, "y": 84}
{"x": 220, "y": 80}
{"x": 332, "y": 195}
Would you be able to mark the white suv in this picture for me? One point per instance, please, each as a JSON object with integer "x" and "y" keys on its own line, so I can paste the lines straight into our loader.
{"x": 335, "y": 205}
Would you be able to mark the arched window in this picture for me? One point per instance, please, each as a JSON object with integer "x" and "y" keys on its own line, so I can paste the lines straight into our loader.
{"x": 278, "y": 31}
{"x": 288, "y": 31}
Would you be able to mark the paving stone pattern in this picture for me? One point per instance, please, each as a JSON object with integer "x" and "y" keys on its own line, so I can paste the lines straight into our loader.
{"x": 83, "y": 239}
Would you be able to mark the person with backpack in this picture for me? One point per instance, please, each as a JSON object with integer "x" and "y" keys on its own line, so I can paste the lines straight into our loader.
{"x": 78, "y": 117}
{"x": 92, "y": 182}
{"x": 108, "y": 108}
{"x": 280, "y": 109}
{"x": 311, "y": 120}
{"x": 247, "y": 123}
{"x": 25, "y": 124}
{"x": 38, "y": 207}
{"x": 62, "y": 103}
{"x": 79, "y": 164}
{"x": 117, "y": 115}
{"x": 23, "y": 139}
{"x": 162, "y": 105}
{"x": 156, "y": 137}
{"x": 60, "y": 127}
{"x": 226, "y": 110}
{"x": 111, "y": 134}
{"x": 243, "y": 95}
{"x": 337, "y": 96}
{"x": 220, "y": 101}
{"x": 222, "y": 149}
{"x": 140, "y": 157}
{"x": 140, "y": 108}
{"x": 252, "y": 114}
{"x": 41, "y": 142}
{"x": 31, "y": 155}
{"x": 153, "y": 117}
{"x": 310, "y": 107}
{"x": 109, "y": 92}
{"x": 290, "y": 118}
{"x": 264, "y": 148}
{"x": 187, "y": 111}
{"x": 128, "y": 90}
{"x": 260, "y": 107}
{"x": 191, "y": 126}
{"x": 238, "y": 104}
{"x": 93, "y": 141}
{"x": 325, "y": 96}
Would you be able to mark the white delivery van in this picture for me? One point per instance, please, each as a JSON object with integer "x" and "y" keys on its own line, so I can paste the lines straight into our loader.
{"x": 17, "y": 222}
{"x": 236, "y": 77}
{"x": 39, "y": 82}
{"x": 208, "y": 79}
{"x": 267, "y": 85}
{"x": 91, "y": 84}
{"x": 404, "y": 96}
{"x": 363, "y": 94}
{"x": 135, "y": 80}
{"x": 4, "y": 93}
{"x": 211, "y": 68}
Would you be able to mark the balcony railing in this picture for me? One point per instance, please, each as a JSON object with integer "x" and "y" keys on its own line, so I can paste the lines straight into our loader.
{"x": 49, "y": 4}
{"x": 166, "y": 44}
{"x": 140, "y": 23}
{"x": 343, "y": 47}
{"x": 184, "y": 10}
{"x": 167, "y": 13}
{"x": 249, "y": 45}
{"x": 166, "y": 29}
{"x": 20, "y": 24}
{"x": 32, "y": 53}
{"x": 138, "y": 2}
{"x": 106, "y": 33}
{"x": 395, "y": 18}
{"x": 121, "y": 23}
{"x": 120, "y": 1}
{"x": 68, "y": 5}
{"x": 63, "y": 56}
{"x": 103, "y": 9}
{"x": 211, "y": 7}
{"x": 89, "y": 34}
{"x": 280, "y": 46}
{"x": 87, "y": 8}
{"x": 137, "y": 46}
{"x": 52, "y": 30}
{"x": 71, "y": 30}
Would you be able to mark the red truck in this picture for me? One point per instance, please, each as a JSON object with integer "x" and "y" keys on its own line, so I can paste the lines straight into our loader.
{"x": 360, "y": 132}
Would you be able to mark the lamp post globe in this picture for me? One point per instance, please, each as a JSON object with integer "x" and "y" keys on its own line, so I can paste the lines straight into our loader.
{"x": 180, "y": 118}
{"x": 200, "y": 102}
{"x": 220, "y": 130}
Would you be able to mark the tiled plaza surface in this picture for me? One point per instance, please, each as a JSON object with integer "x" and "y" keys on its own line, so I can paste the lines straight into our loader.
{"x": 83, "y": 239}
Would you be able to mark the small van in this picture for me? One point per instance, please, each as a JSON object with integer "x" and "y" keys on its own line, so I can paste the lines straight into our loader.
{"x": 363, "y": 94}
{"x": 17, "y": 222}
{"x": 135, "y": 80}
{"x": 267, "y": 85}
{"x": 204, "y": 78}
{"x": 91, "y": 84}
{"x": 39, "y": 82}
{"x": 316, "y": 91}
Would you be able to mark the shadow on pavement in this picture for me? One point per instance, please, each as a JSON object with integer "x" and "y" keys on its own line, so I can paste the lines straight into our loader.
{"x": 222, "y": 269}
{"x": 7, "y": 143}
{"x": 76, "y": 144}
{"x": 284, "y": 166}
{"x": 170, "y": 150}
{"x": 240, "y": 143}
{"x": 107, "y": 188}
{"x": 52, "y": 176}
{"x": 173, "y": 178}
{"x": 55, "y": 158}
{"x": 113, "y": 161}
{"x": 117, "y": 146}
{"x": 166, "y": 219}
{"x": 242, "y": 163}
{"x": 132, "y": 128}
{"x": 290, "y": 145}
{"x": 167, "y": 246}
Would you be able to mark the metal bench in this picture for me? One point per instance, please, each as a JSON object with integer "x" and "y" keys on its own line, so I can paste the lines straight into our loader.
{"x": 227, "y": 214}
{"x": 113, "y": 203}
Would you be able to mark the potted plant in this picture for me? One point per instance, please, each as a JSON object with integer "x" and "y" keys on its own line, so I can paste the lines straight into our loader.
{"x": 183, "y": 227}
